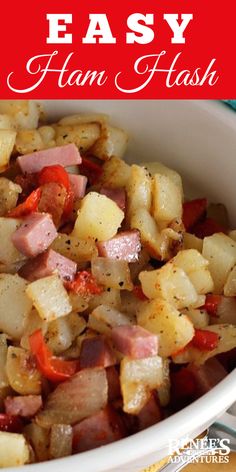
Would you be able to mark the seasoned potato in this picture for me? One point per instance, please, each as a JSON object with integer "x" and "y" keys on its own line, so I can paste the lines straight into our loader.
{"x": 15, "y": 306}
{"x": 3, "y": 357}
{"x": 167, "y": 200}
{"x": 82, "y": 135}
{"x": 99, "y": 218}
{"x": 112, "y": 142}
{"x": 110, "y": 297}
{"x": 174, "y": 329}
{"x": 78, "y": 303}
{"x": 7, "y": 122}
{"x": 199, "y": 317}
{"x": 14, "y": 450}
{"x": 116, "y": 173}
{"x": 232, "y": 234}
{"x": 227, "y": 341}
{"x": 49, "y": 297}
{"x": 192, "y": 242}
{"x": 28, "y": 140}
{"x": 47, "y": 134}
{"x": 8, "y": 253}
{"x": 74, "y": 248}
{"x": 149, "y": 233}
{"x": 21, "y": 371}
{"x": 7, "y": 141}
{"x": 196, "y": 267}
{"x": 230, "y": 284}
{"x": 112, "y": 273}
{"x": 135, "y": 396}
{"x": 220, "y": 251}
{"x": 163, "y": 390}
{"x": 169, "y": 283}
{"x": 24, "y": 112}
{"x": 62, "y": 332}
{"x": 34, "y": 322}
{"x": 9, "y": 193}
{"x": 139, "y": 190}
{"x": 110, "y": 316}
{"x": 159, "y": 168}
{"x": 83, "y": 118}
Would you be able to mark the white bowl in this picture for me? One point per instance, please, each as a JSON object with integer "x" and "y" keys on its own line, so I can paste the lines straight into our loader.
{"x": 198, "y": 138}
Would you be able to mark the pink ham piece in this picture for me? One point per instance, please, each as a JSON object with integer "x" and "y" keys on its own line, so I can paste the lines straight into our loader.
{"x": 118, "y": 195}
{"x": 96, "y": 352}
{"x": 65, "y": 156}
{"x": 207, "y": 375}
{"x": 78, "y": 185}
{"x": 23, "y": 406}
{"x": 124, "y": 246}
{"x": 35, "y": 234}
{"x": 46, "y": 264}
{"x": 102, "y": 428}
{"x": 150, "y": 414}
{"x": 134, "y": 341}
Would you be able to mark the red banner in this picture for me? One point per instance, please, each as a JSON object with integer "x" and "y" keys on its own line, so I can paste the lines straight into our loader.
{"x": 131, "y": 50}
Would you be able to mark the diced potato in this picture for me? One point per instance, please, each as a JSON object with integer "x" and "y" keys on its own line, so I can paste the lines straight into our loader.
{"x": 78, "y": 303}
{"x": 78, "y": 250}
{"x": 232, "y": 234}
{"x": 220, "y": 251}
{"x": 149, "y": 233}
{"x": 163, "y": 390}
{"x": 196, "y": 267}
{"x": 12, "y": 107}
{"x": 3, "y": 357}
{"x": 62, "y": 332}
{"x": 21, "y": 371}
{"x": 25, "y": 113}
{"x": 49, "y": 297}
{"x": 9, "y": 193}
{"x": 39, "y": 438}
{"x": 7, "y": 122}
{"x": 110, "y": 316}
{"x": 135, "y": 396}
{"x": 28, "y": 140}
{"x": 116, "y": 173}
{"x": 82, "y": 135}
{"x": 130, "y": 303}
{"x": 98, "y": 326}
{"x": 141, "y": 264}
{"x": 112, "y": 273}
{"x": 167, "y": 200}
{"x": 14, "y": 450}
{"x": 139, "y": 190}
{"x": 110, "y": 297}
{"x": 138, "y": 377}
{"x": 15, "y": 306}
{"x": 226, "y": 312}
{"x": 8, "y": 253}
{"x": 192, "y": 242}
{"x": 159, "y": 168}
{"x": 230, "y": 285}
{"x": 34, "y": 322}
{"x": 169, "y": 283}
{"x": 7, "y": 141}
{"x": 174, "y": 329}
{"x": 199, "y": 317}
{"x": 47, "y": 134}
{"x": 112, "y": 142}
{"x": 83, "y": 118}
{"x": 227, "y": 341}
{"x": 99, "y": 218}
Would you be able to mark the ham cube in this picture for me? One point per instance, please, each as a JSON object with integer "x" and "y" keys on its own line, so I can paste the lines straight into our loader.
{"x": 118, "y": 196}
{"x": 125, "y": 246}
{"x": 96, "y": 352}
{"x": 78, "y": 185}
{"x": 23, "y": 406}
{"x": 35, "y": 234}
{"x": 65, "y": 156}
{"x": 150, "y": 414}
{"x": 48, "y": 263}
{"x": 135, "y": 341}
{"x": 102, "y": 428}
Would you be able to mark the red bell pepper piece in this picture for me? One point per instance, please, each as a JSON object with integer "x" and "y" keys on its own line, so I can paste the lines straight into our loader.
{"x": 138, "y": 292}
{"x": 56, "y": 174}
{"x": 91, "y": 170}
{"x": 193, "y": 212}
{"x": 207, "y": 228}
{"x": 205, "y": 340}
{"x": 211, "y": 304}
{"x": 11, "y": 424}
{"x": 84, "y": 284}
{"x": 28, "y": 206}
{"x": 51, "y": 367}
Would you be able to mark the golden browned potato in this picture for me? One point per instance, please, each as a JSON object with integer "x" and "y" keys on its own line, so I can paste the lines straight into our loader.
{"x": 21, "y": 372}
{"x": 220, "y": 251}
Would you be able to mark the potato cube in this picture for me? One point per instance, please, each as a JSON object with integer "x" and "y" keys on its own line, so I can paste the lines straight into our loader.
{"x": 77, "y": 250}
{"x": 112, "y": 142}
{"x": 112, "y": 273}
{"x": 14, "y": 450}
{"x": 139, "y": 190}
{"x": 230, "y": 285}
{"x": 49, "y": 297}
{"x": 159, "y": 168}
{"x": 7, "y": 141}
{"x": 169, "y": 283}
{"x": 15, "y": 306}
{"x": 83, "y": 135}
{"x": 199, "y": 317}
{"x": 196, "y": 267}
{"x": 99, "y": 218}
{"x": 9, "y": 193}
{"x": 116, "y": 173}
{"x": 149, "y": 233}
{"x": 8, "y": 252}
{"x": 22, "y": 373}
{"x": 220, "y": 251}
{"x": 135, "y": 396}
{"x": 3, "y": 357}
{"x": 192, "y": 242}
{"x": 167, "y": 200}
{"x": 174, "y": 329}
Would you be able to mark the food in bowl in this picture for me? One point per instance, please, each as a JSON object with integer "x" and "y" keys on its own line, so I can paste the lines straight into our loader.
{"x": 117, "y": 295}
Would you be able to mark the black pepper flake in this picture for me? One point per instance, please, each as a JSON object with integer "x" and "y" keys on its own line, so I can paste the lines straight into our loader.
{"x": 65, "y": 136}
{"x": 121, "y": 284}
{"x": 68, "y": 241}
